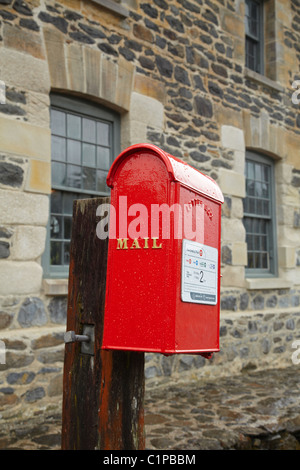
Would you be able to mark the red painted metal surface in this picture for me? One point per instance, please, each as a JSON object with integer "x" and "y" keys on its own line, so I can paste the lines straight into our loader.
{"x": 163, "y": 273}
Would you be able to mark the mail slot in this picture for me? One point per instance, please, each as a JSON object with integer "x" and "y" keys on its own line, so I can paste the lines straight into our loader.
{"x": 163, "y": 271}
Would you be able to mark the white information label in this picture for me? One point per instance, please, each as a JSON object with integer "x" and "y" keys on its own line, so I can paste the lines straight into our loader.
{"x": 199, "y": 273}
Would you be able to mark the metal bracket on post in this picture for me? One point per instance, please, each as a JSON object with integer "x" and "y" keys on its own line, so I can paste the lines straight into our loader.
{"x": 87, "y": 339}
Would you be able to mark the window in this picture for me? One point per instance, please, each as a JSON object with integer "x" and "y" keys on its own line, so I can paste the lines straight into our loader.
{"x": 259, "y": 216}
{"x": 84, "y": 141}
{"x": 254, "y": 35}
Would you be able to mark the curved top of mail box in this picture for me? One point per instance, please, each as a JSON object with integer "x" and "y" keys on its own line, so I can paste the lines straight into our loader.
{"x": 178, "y": 170}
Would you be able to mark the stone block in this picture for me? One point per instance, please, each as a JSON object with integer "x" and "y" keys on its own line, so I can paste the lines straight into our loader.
{"x": 92, "y": 58}
{"x": 124, "y": 84}
{"x": 37, "y": 109}
{"x": 74, "y": 67}
{"x": 233, "y": 230}
{"x": 28, "y": 243}
{"x": 24, "y": 208}
{"x": 39, "y": 177}
{"x": 23, "y": 71}
{"x": 20, "y": 138}
{"x": 55, "y": 287}
{"x": 234, "y": 25}
{"x": 232, "y": 183}
{"x": 149, "y": 87}
{"x": 286, "y": 257}
{"x": 147, "y": 110}
{"x": 237, "y": 209}
{"x": 233, "y": 276}
{"x": 20, "y": 278}
{"x": 292, "y": 142}
{"x": 54, "y": 41}
{"x": 32, "y": 313}
{"x": 239, "y": 254}
{"x": 232, "y": 138}
{"x": 144, "y": 112}
{"x": 108, "y": 79}
{"x": 239, "y": 161}
{"x": 23, "y": 41}
{"x": 11, "y": 175}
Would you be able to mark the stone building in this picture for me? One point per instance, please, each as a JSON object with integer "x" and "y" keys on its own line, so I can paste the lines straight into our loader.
{"x": 213, "y": 82}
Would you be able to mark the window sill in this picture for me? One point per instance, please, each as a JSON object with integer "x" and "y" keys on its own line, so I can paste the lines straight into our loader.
{"x": 263, "y": 80}
{"x": 114, "y": 7}
{"x": 55, "y": 287}
{"x": 267, "y": 283}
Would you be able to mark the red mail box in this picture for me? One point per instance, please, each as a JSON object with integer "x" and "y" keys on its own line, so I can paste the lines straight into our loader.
{"x": 163, "y": 272}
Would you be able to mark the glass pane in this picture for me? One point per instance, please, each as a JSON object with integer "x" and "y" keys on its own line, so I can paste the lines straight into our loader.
{"x": 74, "y": 176}
{"x": 102, "y": 133}
{"x": 250, "y": 187}
{"x": 266, "y": 208}
{"x": 257, "y": 260}
{"x": 254, "y": 11}
{"x": 247, "y": 8}
{"x": 103, "y": 158}
{"x": 250, "y": 260}
{"x": 254, "y": 28}
{"x": 250, "y": 170}
{"x": 56, "y": 202}
{"x": 259, "y": 209}
{"x": 55, "y": 227}
{"x": 88, "y": 130}
{"x": 101, "y": 181}
{"x": 256, "y": 243}
{"x": 258, "y": 172}
{"x": 258, "y": 189}
{"x": 255, "y": 226}
{"x": 89, "y": 155}
{"x": 58, "y": 148}
{"x": 264, "y": 226}
{"x": 67, "y": 227}
{"x": 248, "y": 224}
{"x": 264, "y": 260}
{"x": 58, "y": 122}
{"x": 265, "y": 173}
{"x": 58, "y": 172}
{"x": 249, "y": 241}
{"x": 55, "y": 252}
{"x": 74, "y": 152}
{"x": 73, "y": 126}
{"x": 265, "y": 190}
{"x": 66, "y": 253}
{"x": 252, "y": 206}
{"x": 68, "y": 203}
{"x": 89, "y": 178}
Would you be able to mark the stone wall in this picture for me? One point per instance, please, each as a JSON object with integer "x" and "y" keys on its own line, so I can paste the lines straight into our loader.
{"x": 175, "y": 72}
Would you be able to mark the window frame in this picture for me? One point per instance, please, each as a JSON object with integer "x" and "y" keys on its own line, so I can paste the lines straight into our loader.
{"x": 272, "y": 229}
{"x": 88, "y": 109}
{"x": 259, "y": 39}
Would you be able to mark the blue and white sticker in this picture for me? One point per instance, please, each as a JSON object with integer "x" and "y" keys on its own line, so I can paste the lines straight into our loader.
{"x": 199, "y": 274}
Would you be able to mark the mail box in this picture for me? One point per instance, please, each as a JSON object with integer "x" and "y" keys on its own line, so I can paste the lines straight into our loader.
{"x": 163, "y": 271}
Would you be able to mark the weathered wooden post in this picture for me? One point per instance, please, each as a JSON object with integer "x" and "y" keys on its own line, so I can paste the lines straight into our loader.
{"x": 103, "y": 391}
